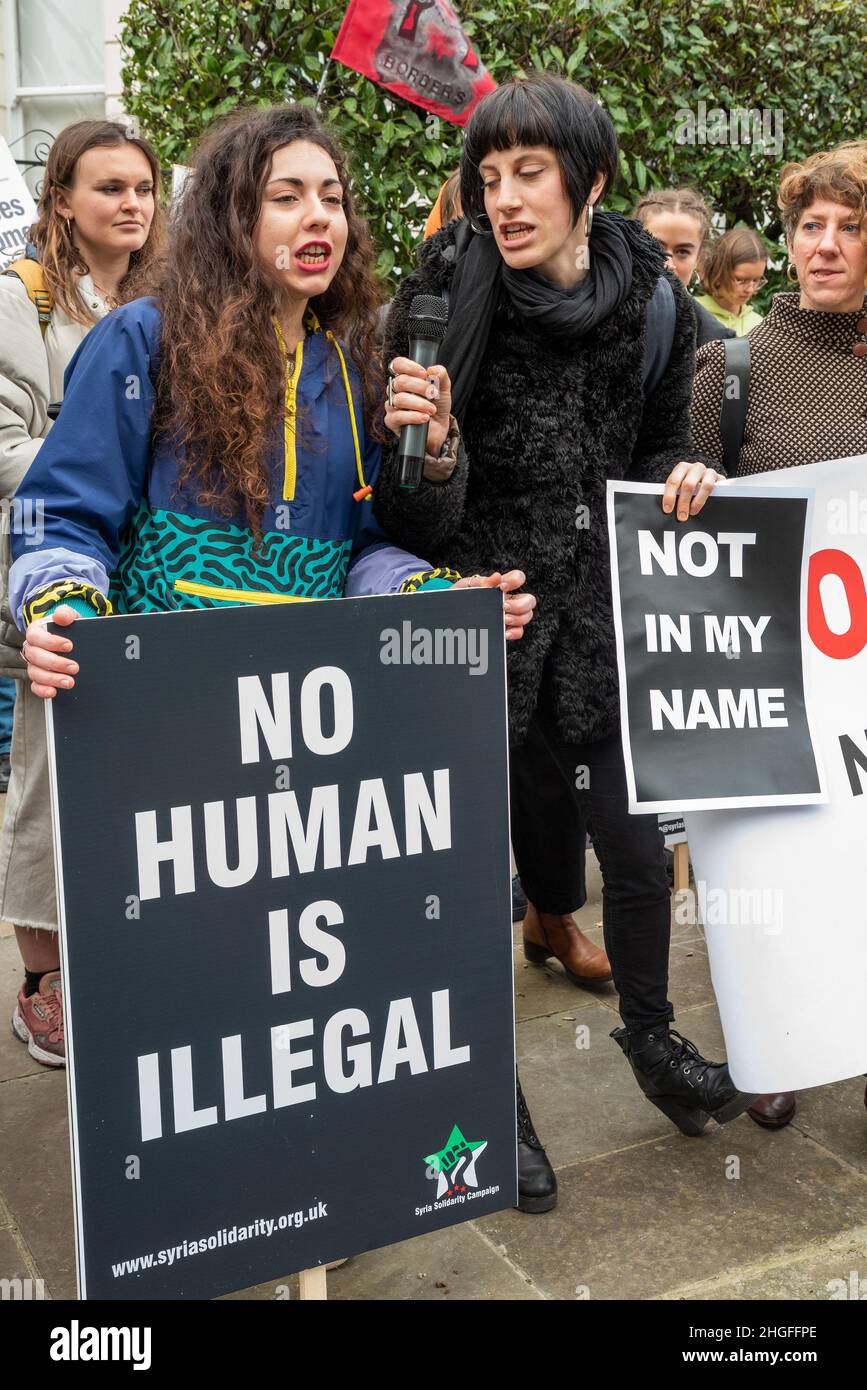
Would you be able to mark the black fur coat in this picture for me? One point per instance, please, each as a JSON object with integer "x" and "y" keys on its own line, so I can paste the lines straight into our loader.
{"x": 547, "y": 426}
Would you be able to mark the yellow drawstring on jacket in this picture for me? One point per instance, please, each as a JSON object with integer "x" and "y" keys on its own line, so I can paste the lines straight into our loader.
{"x": 290, "y": 468}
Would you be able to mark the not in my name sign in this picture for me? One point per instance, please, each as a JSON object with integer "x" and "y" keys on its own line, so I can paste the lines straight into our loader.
{"x": 709, "y": 618}
{"x": 284, "y": 874}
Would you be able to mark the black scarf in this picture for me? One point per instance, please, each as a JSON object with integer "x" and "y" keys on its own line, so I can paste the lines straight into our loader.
{"x": 565, "y": 314}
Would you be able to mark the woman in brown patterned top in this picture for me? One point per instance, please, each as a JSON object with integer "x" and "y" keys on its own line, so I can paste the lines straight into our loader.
{"x": 808, "y": 368}
{"x": 808, "y": 375}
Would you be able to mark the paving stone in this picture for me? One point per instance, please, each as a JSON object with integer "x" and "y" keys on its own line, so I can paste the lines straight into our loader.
{"x": 458, "y": 1259}
{"x": 637, "y": 1224}
{"x": 833, "y": 1270}
{"x": 13, "y": 1261}
{"x": 689, "y": 983}
{"x": 835, "y": 1117}
{"x": 35, "y": 1174}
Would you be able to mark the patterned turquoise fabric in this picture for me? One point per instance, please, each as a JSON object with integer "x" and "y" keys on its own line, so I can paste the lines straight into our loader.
{"x": 79, "y": 605}
{"x": 160, "y": 548}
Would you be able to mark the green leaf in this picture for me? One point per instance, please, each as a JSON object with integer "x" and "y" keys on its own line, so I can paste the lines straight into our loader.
{"x": 576, "y": 58}
{"x": 385, "y": 262}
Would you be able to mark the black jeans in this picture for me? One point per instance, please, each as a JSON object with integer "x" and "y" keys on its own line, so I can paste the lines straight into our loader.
{"x": 550, "y": 815}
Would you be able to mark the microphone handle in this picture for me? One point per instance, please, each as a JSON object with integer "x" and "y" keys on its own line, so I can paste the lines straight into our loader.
{"x": 413, "y": 438}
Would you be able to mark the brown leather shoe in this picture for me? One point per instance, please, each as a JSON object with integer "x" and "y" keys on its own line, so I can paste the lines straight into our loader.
{"x": 775, "y": 1110}
{"x": 584, "y": 963}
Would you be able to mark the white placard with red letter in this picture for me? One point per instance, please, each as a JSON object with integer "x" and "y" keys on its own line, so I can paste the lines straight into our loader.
{"x": 783, "y": 892}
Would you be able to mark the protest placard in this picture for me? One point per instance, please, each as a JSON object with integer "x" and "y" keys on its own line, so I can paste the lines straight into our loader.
{"x": 283, "y": 863}
{"x": 781, "y": 892}
{"x": 709, "y": 618}
{"x": 17, "y": 208}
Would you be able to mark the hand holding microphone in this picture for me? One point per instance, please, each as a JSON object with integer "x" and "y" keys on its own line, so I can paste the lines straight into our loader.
{"x": 419, "y": 391}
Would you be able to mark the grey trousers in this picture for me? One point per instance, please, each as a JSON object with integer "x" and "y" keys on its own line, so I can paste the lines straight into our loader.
{"x": 27, "y": 885}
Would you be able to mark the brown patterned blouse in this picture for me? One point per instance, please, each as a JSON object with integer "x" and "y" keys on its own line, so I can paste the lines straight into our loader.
{"x": 808, "y": 389}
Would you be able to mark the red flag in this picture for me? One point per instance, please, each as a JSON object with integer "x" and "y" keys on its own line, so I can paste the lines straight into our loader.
{"x": 417, "y": 49}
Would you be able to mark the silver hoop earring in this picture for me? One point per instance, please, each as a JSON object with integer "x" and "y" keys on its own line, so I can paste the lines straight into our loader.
{"x": 478, "y": 225}
{"x": 588, "y": 220}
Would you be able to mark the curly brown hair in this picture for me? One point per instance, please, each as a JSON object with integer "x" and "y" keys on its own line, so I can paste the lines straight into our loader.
{"x": 840, "y": 175}
{"x": 61, "y": 260}
{"x": 221, "y": 384}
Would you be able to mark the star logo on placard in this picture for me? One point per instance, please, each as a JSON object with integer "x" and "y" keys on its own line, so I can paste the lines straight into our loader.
{"x": 454, "y": 1165}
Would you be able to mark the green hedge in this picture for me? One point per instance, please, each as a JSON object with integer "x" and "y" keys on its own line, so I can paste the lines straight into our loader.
{"x": 187, "y": 61}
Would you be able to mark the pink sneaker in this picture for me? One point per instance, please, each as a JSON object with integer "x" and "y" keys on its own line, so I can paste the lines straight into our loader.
{"x": 38, "y": 1021}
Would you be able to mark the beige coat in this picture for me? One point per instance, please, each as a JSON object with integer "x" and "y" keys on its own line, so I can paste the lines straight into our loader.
{"x": 31, "y": 379}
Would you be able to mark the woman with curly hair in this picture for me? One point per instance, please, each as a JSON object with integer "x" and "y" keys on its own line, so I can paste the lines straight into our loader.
{"x": 98, "y": 235}
{"x": 807, "y": 384}
{"x": 216, "y": 444}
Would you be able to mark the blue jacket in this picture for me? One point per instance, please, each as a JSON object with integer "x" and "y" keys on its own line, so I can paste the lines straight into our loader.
{"x": 114, "y": 520}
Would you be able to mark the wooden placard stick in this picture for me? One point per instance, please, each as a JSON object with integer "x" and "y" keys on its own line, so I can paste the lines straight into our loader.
{"x": 314, "y": 1283}
{"x": 681, "y": 867}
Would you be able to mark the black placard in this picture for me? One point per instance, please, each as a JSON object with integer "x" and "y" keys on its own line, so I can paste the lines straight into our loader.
{"x": 708, "y": 614}
{"x": 409, "y": 926}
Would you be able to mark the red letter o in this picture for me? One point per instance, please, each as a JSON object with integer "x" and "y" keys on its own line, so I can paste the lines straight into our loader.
{"x": 841, "y": 645}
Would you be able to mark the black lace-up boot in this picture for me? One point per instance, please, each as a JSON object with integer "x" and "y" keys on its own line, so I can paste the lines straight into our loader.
{"x": 673, "y": 1075}
{"x": 537, "y": 1185}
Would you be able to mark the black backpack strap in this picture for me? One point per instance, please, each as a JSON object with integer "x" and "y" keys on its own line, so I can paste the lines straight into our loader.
{"x": 463, "y": 233}
{"x": 659, "y": 334}
{"x": 735, "y": 400}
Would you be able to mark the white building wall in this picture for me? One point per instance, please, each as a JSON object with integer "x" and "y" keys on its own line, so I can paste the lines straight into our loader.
{"x": 60, "y": 43}
{"x": 113, "y": 13}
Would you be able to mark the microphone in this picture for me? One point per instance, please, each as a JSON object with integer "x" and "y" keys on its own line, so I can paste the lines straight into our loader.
{"x": 428, "y": 321}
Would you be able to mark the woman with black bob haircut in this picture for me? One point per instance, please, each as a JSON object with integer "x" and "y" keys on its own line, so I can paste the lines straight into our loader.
{"x": 568, "y": 360}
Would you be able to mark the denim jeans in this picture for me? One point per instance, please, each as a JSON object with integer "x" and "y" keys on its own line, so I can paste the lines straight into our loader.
{"x": 549, "y": 817}
{"x": 7, "y": 709}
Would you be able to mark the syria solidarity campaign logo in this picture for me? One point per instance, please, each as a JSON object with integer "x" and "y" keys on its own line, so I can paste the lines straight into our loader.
{"x": 454, "y": 1166}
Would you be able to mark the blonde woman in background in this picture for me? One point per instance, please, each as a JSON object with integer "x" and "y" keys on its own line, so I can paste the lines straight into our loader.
{"x": 98, "y": 233}
{"x": 732, "y": 271}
